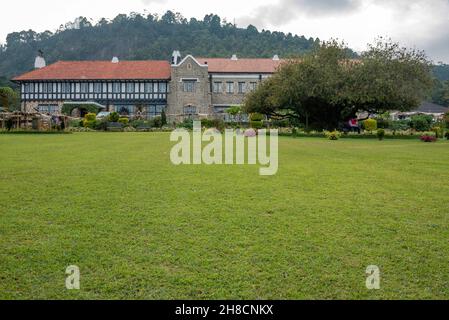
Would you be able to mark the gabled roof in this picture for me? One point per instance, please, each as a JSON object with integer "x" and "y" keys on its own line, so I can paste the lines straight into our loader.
{"x": 226, "y": 65}
{"x": 428, "y": 107}
{"x": 100, "y": 70}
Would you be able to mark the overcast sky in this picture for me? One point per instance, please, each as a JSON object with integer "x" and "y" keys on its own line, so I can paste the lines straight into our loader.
{"x": 423, "y": 24}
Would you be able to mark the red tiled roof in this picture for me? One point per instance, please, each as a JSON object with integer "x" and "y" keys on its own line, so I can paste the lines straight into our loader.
{"x": 100, "y": 70}
{"x": 226, "y": 65}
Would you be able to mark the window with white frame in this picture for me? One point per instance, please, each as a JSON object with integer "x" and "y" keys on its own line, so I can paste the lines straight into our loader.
{"x": 242, "y": 87}
{"x": 84, "y": 87}
{"x": 229, "y": 87}
{"x": 189, "y": 110}
{"x": 188, "y": 85}
{"x": 116, "y": 87}
{"x": 130, "y": 87}
{"x": 217, "y": 87}
{"x": 252, "y": 86}
{"x": 97, "y": 87}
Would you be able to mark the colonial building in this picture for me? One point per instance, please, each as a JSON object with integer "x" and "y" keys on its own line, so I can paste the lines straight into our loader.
{"x": 185, "y": 88}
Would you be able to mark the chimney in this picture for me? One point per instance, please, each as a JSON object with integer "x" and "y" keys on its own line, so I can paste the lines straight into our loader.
{"x": 234, "y": 57}
{"x": 176, "y": 57}
{"x": 115, "y": 60}
{"x": 275, "y": 57}
{"x": 39, "y": 63}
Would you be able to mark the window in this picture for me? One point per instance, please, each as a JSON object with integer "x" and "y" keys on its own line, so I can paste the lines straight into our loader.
{"x": 252, "y": 86}
{"x": 97, "y": 87}
{"x": 148, "y": 87}
{"x": 188, "y": 85}
{"x": 242, "y": 87}
{"x": 46, "y": 108}
{"x": 116, "y": 87}
{"x": 217, "y": 87}
{"x": 44, "y": 87}
{"x": 162, "y": 87}
{"x": 26, "y": 88}
{"x": 65, "y": 87}
{"x": 125, "y": 110}
{"x": 130, "y": 87}
{"x": 229, "y": 87}
{"x": 189, "y": 110}
{"x": 154, "y": 111}
{"x": 84, "y": 87}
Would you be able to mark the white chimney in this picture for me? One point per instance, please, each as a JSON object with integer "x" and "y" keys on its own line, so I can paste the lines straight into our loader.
{"x": 276, "y": 57}
{"x": 176, "y": 57}
{"x": 115, "y": 60}
{"x": 234, "y": 57}
{"x": 39, "y": 63}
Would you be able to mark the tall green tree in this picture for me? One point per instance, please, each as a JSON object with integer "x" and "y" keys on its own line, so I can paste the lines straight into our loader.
{"x": 9, "y": 99}
{"x": 326, "y": 87}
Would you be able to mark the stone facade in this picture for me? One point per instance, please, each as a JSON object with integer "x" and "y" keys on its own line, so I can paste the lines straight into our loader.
{"x": 189, "y": 93}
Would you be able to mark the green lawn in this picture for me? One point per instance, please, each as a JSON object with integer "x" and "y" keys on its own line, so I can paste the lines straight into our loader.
{"x": 139, "y": 227}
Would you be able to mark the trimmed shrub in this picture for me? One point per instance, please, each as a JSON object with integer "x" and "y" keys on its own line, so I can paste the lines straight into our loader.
{"x": 256, "y": 124}
{"x": 256, "y": 117}
{"x": 157, "y": 122}
{"x": 370, "y": 125}
{"x": 380, "y": 134}
{"x": 114, "y": 117}
{"x": 428, "y": 138}
{"x": 332, "y": 135}
{"x": 163, "y": 118}
{"x": 90, "y": 117}
{"x": 421, "y": 122}
{"x": 123, "y": 121}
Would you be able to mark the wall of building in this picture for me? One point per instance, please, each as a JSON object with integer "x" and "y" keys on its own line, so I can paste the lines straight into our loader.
{"x": 178, "y": 99}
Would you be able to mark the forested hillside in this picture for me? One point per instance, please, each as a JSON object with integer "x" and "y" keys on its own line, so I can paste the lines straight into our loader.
{"x": 140, "y": 37}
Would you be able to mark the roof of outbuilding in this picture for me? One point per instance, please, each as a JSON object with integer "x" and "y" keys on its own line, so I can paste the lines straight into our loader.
{"x": 226, "y": 65}
{"x": 428, "y": 107}
{"x": 100, "y": 70}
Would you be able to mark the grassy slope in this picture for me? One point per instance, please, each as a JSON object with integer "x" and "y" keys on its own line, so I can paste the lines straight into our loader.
{"x": 139, "y": 227}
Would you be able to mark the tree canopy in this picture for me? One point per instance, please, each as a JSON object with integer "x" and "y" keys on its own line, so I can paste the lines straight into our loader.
{"x": 326, "y": 87}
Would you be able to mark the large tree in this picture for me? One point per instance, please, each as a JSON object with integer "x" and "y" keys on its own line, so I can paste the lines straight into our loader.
{"x": 327, "y": 86}
{"x": 9, "y": 99}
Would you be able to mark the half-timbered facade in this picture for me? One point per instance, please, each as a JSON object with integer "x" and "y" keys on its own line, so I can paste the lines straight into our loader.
{"x": 186, "y": 88}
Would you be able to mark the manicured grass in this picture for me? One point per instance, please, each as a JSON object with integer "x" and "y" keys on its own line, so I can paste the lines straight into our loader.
{"x": 139, "y": 227}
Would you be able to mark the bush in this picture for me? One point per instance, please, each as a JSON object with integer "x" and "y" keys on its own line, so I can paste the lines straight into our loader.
{"x": 332, "y": 135}
{"x": 446, "y": 135}
{"x": 101, "y": 125}
{"x": 75, "y": 123}
{"x": 446, "y": 120}
{"x": 370, "y": 125}
{"x": 384, "y": 123}
{"x": 157, "y": 122}
{"x": 439, "y": 132}
{"x": 256, "y": 124}
{"x": 90, "y": 120}
{"x": 163, "y": 118}
{"x": 400, "y": 125}
{"x": 380, "y": 134}
{"x": 186, "y": 124}
{"x": 114, "y": 117}
{"x": 256, "y": 117}
{"x": 123, "y": 121}
{"x": 90, "y": 117}
{"x": 421, "y": 122}
{"x": 428, "y": 138}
